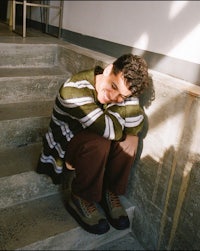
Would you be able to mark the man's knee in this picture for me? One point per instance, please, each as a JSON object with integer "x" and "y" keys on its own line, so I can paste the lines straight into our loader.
{"x": 85, "y": 144}
{"x": 94, "y": 143}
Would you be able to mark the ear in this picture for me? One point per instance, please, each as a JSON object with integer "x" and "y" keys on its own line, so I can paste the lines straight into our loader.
{"x": 108, "y": 70}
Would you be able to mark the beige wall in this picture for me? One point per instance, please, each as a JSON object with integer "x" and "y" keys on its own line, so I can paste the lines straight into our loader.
{"x": 171, "y": 28}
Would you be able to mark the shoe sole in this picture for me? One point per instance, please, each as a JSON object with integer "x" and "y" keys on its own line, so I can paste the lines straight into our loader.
{"x": 112, "y": 221}
{"x": 88, "y": 228}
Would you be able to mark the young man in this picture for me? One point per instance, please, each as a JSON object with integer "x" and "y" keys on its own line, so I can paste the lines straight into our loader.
{"x": 94, "y": 130}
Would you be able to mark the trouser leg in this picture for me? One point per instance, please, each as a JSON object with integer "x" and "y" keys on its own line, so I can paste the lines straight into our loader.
{"x": 119, "y": 163}
{"x": 88, "y": 153}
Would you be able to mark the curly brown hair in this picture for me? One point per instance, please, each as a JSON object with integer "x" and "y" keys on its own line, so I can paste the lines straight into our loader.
{"x": 135, "y": 72}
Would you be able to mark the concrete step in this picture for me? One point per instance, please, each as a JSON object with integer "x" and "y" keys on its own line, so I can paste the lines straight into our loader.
{"x": 33, "y": 221}
{"x": 127, "y": 242}
{"x": 19, "y": 159}
{"x": 32, "y": 209}
{"x": 24, "y": 123}
{"x": 30, "y": 203}
{"x": 10, "y": 72}
{"x": 30, "y": 84}
{"x": 14, "y": 111}
{"x": 44, "y": 224}
{"x": 28, "y": 55}
{"x": 23, "y": 187}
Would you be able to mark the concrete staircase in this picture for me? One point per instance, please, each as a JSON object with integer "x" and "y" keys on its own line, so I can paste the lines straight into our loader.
{"x": 32, "y": 209}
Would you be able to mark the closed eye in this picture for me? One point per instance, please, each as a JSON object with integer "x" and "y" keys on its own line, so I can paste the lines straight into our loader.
{"x": 114, "y": 86}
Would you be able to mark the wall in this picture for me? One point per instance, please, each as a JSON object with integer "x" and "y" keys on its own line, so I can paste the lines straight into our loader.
{"x": 166, "y": 33}
{"x": 166, "y": 27}
{"x": 164, "y": 184}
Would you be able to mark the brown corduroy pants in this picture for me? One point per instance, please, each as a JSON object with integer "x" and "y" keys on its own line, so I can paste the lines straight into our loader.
{"x": 100, "y": 164}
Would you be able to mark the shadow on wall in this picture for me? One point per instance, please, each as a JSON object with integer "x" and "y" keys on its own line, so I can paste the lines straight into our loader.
{"x": 167, "y": 213}
{"x": 166, "y": 191}
{"x": 145, "y": 100}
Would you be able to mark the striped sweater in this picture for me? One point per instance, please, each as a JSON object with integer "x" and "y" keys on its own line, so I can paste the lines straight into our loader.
{"x": 76, "y": 108}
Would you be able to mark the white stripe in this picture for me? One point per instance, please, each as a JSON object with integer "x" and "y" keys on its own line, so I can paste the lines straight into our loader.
{"x": 59, "y": 122}
{"x": 50, "y": 139}
{"x": 115, "y": 104}
{"x": 85, "y": 121}
{"x": 60, "y": 150}
{"x": 58, "y": 110}
{"x": 118, "y": 117}
{"x": 51, "y": 160}
{"x": 79, "y": 84}
{"x": 64, "y": 128}
{"x": 132, "y": 101}
{"x": 133, "y": 121}
{"x": 91, "y": 117}
{"x": 128, "y": 101}
{"x": 52, "y": 144}
{"x": 66, "y": 132}
{"x": 75, "y": 102}
{"x": 109, "y": 132}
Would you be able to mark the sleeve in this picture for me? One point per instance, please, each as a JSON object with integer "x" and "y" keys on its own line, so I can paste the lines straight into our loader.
{"x": 132, "y": 114}
{"x": 76, "y": 100}
{"x": 134, "y": 118}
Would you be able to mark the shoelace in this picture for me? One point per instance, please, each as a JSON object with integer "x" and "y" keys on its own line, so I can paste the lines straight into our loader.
{"x": 114, "y": 199}
{"x": 87, "y": 207}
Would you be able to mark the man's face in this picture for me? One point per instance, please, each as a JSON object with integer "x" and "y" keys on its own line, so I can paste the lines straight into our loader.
{"x": 111, "y": 88}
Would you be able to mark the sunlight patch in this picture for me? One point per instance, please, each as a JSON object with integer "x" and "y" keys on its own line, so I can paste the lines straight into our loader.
{"x": 176, "y": 8}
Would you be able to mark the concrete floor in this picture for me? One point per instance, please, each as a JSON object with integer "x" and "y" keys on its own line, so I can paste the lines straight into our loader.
{"x": 32, "y": 35}
{"x": 6, "y": 30}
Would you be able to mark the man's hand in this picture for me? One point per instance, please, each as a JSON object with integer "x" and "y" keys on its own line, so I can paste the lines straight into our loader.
{"x": 130, "y": 145}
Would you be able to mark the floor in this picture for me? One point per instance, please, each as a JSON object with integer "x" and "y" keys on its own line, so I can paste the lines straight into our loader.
{"x": 6, "y": 30}
{"x": 32, "y": 35}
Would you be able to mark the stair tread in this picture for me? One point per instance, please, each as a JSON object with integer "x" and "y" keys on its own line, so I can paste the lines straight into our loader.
{"x": 20, "y": 110}
{"x": 30, "y": 88}
{"x": 10, "y": 72}
{"x": 45, "y": 224}
{"x": 33, "y": 221}
{"x": 19, "y": 159}
{"x": 19, "y": 188}
{"x": 127, "y": 242}
{"x": 32, "y": 209}
{"x": 24, "y": 123}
